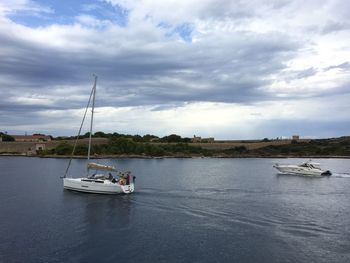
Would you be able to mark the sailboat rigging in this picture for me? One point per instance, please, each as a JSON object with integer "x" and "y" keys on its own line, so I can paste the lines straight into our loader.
{"x": 101, "y": 180}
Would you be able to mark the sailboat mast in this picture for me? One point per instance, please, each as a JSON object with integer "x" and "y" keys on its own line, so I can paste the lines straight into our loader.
{"x": 92, "y": 115}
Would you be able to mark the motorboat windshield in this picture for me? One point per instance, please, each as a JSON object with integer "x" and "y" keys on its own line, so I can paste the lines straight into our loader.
{"x": 310, "y": 165}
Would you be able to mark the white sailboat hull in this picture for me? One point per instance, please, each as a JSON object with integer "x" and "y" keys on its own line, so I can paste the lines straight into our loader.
{"x": 104, "y": 187}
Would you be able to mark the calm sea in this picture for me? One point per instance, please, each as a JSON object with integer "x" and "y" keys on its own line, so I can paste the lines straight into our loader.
{"x": 184, "y": 210}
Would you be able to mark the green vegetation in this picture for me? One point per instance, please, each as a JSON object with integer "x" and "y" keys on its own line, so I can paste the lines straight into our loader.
{"x": 236, "y": 150}
{"x": 322, "y": 147}
{"x": 6, "y": 138}
{"x": 174, "y": 145}
{"x": 125, "y": 145}
{"x": 173, "y": 138}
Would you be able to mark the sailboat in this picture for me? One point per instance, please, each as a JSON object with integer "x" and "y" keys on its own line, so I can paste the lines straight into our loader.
{"x": 99, "y": 178}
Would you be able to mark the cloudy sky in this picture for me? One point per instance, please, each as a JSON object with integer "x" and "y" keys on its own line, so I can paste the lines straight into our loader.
{"x": 219, "y": 68}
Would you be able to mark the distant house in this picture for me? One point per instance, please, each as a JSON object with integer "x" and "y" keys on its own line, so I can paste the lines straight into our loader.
{"x": 32, "y": 138}
{"x": 196, "y": 139}
{"x": 204, "y": 140}
{"x": 295, "y": 137}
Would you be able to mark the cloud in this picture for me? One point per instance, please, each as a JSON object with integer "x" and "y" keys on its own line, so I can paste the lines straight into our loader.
{"x": 163, "y": 55}
{"x": 221, "y": 120}
{"x": 332, "y": 27}
{"x": 342, "y": 66}
{"x": 24, "y": 7}
{"x": 306, "y": 73}
{"x": 214, "y": 74}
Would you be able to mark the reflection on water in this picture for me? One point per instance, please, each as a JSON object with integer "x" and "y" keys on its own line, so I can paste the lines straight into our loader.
{"x": 101, "y": 213}
{"x": 183, "y": 210}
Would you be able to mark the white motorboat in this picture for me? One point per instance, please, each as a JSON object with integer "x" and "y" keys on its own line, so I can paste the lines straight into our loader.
{"x": 307, "y": 169}
{"x": 99, "y": 178}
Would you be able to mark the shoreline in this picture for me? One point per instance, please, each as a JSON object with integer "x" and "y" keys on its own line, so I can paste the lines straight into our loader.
{"x": 135, "y": 156}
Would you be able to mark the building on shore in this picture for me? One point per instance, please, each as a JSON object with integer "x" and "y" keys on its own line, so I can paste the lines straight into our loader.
{"x": 197, "y": 139}
{"x": 295, "y": 137}
{"x": 32, "y": 138}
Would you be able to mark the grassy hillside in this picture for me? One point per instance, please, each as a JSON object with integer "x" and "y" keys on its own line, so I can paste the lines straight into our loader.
{"x": 321, "y": 147}
{"x": 130, "y": 146}
{"x": 125, "y": 146}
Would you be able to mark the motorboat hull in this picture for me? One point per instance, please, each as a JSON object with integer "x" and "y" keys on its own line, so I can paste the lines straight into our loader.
{"x": 104, "y": 187}
{"x": 297, "y": 170}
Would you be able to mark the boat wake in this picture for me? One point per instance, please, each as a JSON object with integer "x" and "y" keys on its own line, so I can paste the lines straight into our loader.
{"x": 203, "y": 205}
{"x": 341, "y": 175}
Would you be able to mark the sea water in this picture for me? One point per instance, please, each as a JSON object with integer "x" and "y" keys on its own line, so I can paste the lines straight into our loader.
{"x": 183, "y": 210}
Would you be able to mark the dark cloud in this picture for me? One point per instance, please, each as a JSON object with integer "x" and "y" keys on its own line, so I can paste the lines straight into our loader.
{"x": 343, "y": 66}
{"x": 35, "y": 65}
{"x": 141, "y": 76}
{"x": 18, "y": 108}
{"x": 332, "y": 27}
{"x": 306, "y": 73}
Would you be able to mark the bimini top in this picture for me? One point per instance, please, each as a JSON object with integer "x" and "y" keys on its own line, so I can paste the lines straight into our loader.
{"x": 96, "y": 166}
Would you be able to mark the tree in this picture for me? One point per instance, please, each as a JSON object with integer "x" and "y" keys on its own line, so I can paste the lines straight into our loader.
{"x": 63, "y": 149}
{"x": 121, "y": 145}
{"x": 137, "y": 138}
{"x": 6, "y": 138}
{"x": 149, "y": 137}
{"x": 172, "y": 138}
{"x": 100, "y": 134}
{"x": 186, "y": 140}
